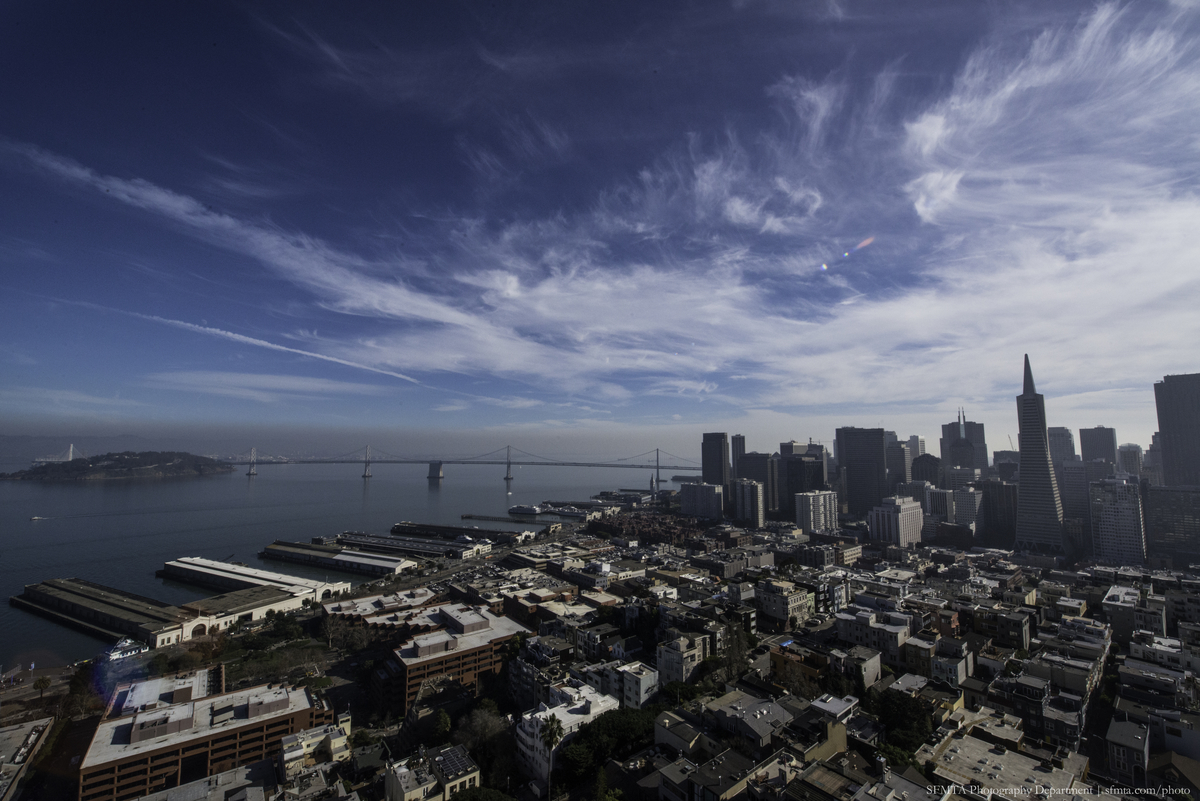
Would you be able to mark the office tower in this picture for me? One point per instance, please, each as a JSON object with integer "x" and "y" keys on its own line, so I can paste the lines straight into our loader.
{"x": 955, "y": 477}
{"x": 1152, "y": 463}
{"x": 899, "y": 465}
{"x": 816, "y": 511}
{"x": 896, "y": 521}
{"x": 749, "y": 495}
{"x": 1178, "y": 401}
{"x": 1173, "y": 523}
{"x": 915, "y": 490}
{"x": 939, "y": 505}
{"x": 1118, "y": 534}
{"x": 1129, "y": 459}
{"x": 799, "y": 472}
{"x": 1098, "y": 443}
{"x": 968, "y": 508}
{"x": 971, "y": 450}
{"x": 999, "y": 512}
{"x": 819, "y": 452}
{"x": 763, "y": 468}
{"x": 714, "y": 459}
{"x": 739, "y": 450}
{"x": 1077, "y": 477}
{"x": 1039, "y": 508}
{"x": 790, "y": 448}
{"x": 927, "y": 467}
{"x": 916, "y": 446}
{"x": 862, "y": 456}
{"x": 1062, "y": 444}
{"x": 702, "y": 500}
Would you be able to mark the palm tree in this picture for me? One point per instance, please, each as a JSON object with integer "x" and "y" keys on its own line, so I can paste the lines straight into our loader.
{"x": 42, "y": 683}
{"x": 551, "y": 734}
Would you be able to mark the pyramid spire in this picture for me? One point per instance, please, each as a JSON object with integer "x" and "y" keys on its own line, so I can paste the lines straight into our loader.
{"x": 1029, "y": 389}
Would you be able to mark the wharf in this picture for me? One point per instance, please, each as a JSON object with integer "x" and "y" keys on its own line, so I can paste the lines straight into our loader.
{"x": 407, "y": 529}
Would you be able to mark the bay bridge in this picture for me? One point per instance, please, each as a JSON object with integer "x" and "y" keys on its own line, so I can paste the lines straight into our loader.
{"x": 364, "y": 457}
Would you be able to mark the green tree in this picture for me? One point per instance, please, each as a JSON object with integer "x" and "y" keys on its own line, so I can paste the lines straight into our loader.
{"x": 602, "y": 791}
{"x": 551, "y": 735}
{"x": 41, "y": 684}
{"x": 441, "y": 727}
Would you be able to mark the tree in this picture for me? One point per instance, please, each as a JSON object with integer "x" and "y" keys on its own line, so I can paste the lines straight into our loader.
{"x": 333, "y": 628}
{"x": 602, "y": 791}
{"x": 441, "y": 727}
{"x": 736, "y": 651}
{"x": 41, "y": 684}
{"x": 551, "y": 735}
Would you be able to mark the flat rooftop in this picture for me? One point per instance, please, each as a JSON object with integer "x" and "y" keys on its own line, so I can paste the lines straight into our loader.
{"x": 239, "y": 601}
{"x": 212, "y": 715}
{"x": 251, "y": 576}
{"x": 162, "y": 690}
{"x": 135, "y": 610}
{"x": 496, "y": 628}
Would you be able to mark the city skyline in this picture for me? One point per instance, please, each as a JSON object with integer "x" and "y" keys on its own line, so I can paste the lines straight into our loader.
{"x": 586, "y": 230}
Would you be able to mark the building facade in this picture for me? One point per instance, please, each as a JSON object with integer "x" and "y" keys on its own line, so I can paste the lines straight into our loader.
{"x": 1039, "y": 508}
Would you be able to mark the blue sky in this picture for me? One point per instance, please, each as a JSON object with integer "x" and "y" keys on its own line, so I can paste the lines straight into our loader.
{"x": 595, "y": 227}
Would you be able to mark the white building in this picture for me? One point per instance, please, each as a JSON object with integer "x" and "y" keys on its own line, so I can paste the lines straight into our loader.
{"x": 1118, "y": 535}
{"x": 968, "y": 508}
{"x": 573, "y": 707}
{"x": 896, "y": 520}
{"x": 816, "y": 511}
{"x": 749, "y": 497}
{"x": 702, "y": 500}
{"x": 632, "y": 684}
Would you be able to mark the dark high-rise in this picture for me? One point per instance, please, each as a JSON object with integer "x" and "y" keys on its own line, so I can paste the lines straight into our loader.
{"x": 714, "y": 459}
{"x": 1039, "y": 508}
{"x": 1178, "y": 401}
{"x": 963, "y": 444}
{"x": 1098, "y": 443}
{"x": 739, "y": 450}
{"x": 862, "y": 457}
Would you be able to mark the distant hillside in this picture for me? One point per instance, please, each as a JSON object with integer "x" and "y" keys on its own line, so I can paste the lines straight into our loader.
{"x": 148, "y": 464}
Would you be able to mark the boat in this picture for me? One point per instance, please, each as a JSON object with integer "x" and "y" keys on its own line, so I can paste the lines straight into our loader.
{"x": 525, "y": 510}
{"x": 568, "y": 511}
{"x": 35, "y": 517}
{"x": 125, "y": 648}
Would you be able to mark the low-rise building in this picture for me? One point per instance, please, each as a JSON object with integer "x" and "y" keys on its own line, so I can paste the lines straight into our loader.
{"x": 573, "y": 707}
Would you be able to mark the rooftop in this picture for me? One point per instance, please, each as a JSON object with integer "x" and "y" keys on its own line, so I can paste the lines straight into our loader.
{"x": 210, "y": 715}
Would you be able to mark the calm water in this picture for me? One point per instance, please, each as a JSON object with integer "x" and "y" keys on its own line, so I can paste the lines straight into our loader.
{"x": 120, "y": 533}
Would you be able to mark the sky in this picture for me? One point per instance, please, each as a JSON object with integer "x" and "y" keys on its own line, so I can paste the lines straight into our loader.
{"x": 594, "y": 228}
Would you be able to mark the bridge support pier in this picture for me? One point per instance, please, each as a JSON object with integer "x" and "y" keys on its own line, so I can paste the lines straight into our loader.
{"x": 435, "y": 470}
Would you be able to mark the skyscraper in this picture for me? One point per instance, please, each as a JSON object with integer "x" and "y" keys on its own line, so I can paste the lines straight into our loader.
{"x": 739, "y": 450}
{"x": 899, "y": 465}
{"x": 916, "y": 446}
{"x": 1178, "y": 401}
{"x": 1098, "y": 443}
{"x": 1118, "y": 534}
{"x": 1062, "y": 444}
{"x": 714, "y": 459}
{"x": 962, "y": 433}
{"x": 861, "y": 454}
{"x": 1039, "y": 508}
{"x": 1129, "y": 459}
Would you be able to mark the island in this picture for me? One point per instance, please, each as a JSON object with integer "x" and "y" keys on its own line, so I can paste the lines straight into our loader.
{"x": 127, "y": 465}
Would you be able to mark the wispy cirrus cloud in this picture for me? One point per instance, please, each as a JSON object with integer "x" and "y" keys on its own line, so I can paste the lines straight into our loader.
{"x": 264, "y": 388}
{"x": 1041, "y": 200}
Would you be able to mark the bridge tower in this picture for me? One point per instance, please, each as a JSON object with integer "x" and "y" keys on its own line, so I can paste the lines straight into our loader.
{"x": 435, "y": 471}
{"x": 508, "y": 463}
{"x": 253, "y": 471}
{"x": 367, "y": 464}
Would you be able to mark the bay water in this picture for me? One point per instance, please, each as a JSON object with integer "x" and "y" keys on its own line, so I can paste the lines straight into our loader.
{"x": 118, "y": 533}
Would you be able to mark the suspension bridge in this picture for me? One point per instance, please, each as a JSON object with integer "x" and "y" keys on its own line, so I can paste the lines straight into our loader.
{"x": 364, "y": 457}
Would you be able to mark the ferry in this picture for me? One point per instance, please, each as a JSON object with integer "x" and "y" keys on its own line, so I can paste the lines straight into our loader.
{"x": 123, "y": 649}
{"x": 525, "y": 510}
